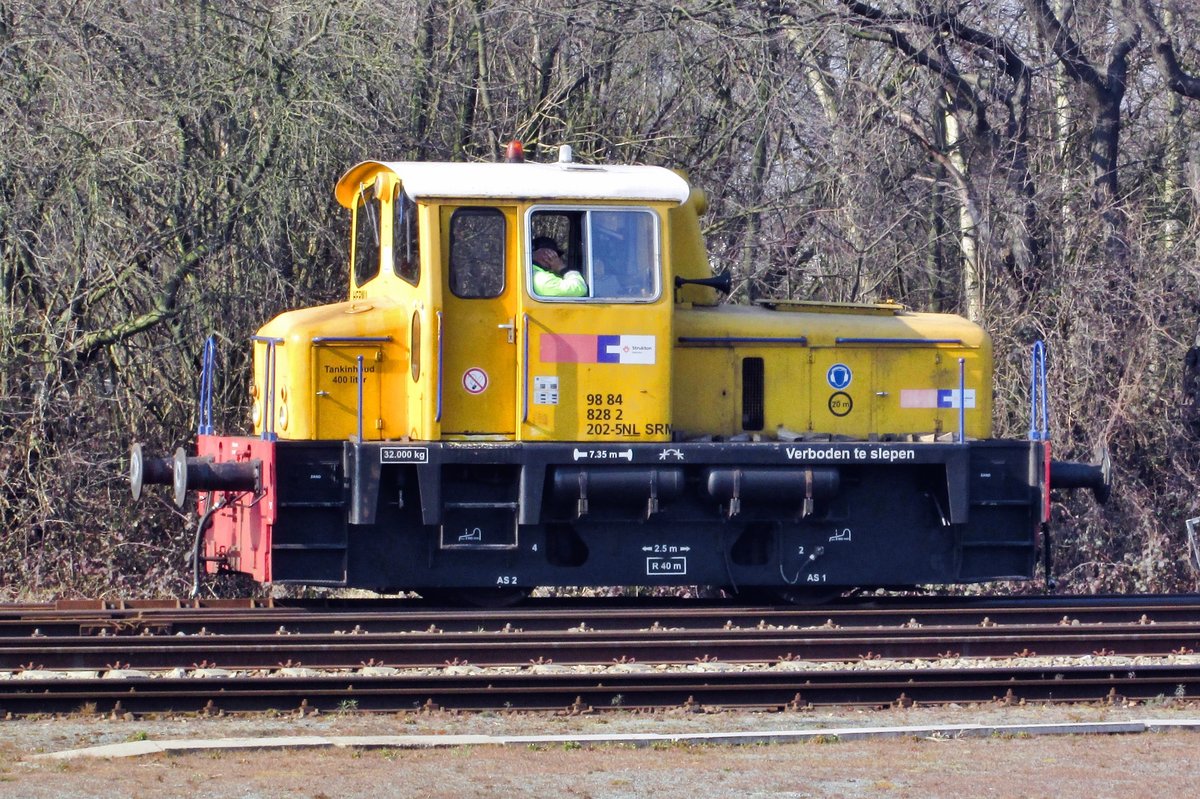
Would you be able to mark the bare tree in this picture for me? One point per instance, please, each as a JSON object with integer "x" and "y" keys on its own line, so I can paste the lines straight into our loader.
{"x": 166, "y": 174}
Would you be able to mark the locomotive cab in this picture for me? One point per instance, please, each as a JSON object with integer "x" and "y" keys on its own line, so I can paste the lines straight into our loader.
{"x": 454, "y": 339}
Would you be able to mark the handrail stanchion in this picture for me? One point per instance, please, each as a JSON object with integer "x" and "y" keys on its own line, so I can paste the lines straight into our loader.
{"x": 962, "y": 400}
{"x": 1039, "y": 401}
{"x": 438, "y": 416}
{"x": 208, "y": 365}
{"x": 269, "y": 426}
{"x": 360, "y": 397}
{"x": 268, "y": 400}
{"x": 1045, "y": 395}
{"x": 1039, "y": 404}
{"x": 525, "y": 369}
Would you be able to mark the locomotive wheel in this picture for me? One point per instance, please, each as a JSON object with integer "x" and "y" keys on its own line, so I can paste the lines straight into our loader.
{"x": 476, "y": 597}
{"x": 789, "y": 595}
{"x": 806, "y": 596}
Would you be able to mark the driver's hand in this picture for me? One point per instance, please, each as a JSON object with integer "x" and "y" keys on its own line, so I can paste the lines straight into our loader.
{"x": 548, "y": 259}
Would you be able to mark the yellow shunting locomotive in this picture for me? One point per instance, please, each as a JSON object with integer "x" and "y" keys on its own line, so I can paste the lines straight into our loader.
{"x": 461, "y": 424}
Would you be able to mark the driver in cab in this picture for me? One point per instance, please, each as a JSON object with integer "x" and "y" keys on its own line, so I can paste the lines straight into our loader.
{"x": 551, "y": 278}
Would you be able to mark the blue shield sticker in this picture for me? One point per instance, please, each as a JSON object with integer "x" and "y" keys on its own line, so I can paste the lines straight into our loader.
{"x": 839, "y": 376}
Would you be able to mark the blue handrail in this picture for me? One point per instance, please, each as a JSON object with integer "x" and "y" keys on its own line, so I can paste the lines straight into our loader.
{"x": 1038, "y": 400}
{"x": 208, "y": 365}
{"x": 360, "y": 397}
{"x": 962, "y": 400}
{"x": 438, "y": 416}
{"x": 525, "y": 370}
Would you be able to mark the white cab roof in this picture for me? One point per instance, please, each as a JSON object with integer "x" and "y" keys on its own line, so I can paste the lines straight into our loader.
{"x": 525, "y": 181}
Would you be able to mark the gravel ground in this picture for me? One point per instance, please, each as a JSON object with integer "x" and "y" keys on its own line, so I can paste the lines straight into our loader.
{"x": 1154, "y": 765}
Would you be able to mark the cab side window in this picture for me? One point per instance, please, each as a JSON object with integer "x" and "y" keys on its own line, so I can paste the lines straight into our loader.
{"x": 566, "y": 228}
{"x": 477, "y": 253}
{"x": 404, "y": 238}
{"x": 366, "y": 236}
{"x": 623, "y": 255}
{"x": 615, "y": 249}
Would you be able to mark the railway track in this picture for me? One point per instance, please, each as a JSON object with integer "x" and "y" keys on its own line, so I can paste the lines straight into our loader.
{"x": 567, "y": 694}
{"x": 258, "y": 617}
{"x": 151, "y": 657}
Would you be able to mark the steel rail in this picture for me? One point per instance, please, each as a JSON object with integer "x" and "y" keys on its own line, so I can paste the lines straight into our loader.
{"x": 766, "y": 689}
{"x": 378, "y": 617}
{"x": 663, "y": 646}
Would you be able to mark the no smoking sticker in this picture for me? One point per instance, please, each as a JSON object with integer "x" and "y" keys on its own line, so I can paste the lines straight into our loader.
{"x": 475, "y": 380}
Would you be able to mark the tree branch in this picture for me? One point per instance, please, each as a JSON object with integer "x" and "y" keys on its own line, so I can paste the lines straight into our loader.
{"x": 1063, "y": 45}
{"x": 1165, "y": 58}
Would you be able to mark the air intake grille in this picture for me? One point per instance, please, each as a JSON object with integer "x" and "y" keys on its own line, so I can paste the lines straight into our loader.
{"x": 752, "y": 394}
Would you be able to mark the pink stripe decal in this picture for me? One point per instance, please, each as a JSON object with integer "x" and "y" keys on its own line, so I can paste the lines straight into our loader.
{"x": 918, "y": 398}
{"x": 567, "y": 348}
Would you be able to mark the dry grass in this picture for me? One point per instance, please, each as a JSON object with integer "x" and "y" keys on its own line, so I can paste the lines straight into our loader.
{"x": 1149, "y": 766}
{"x": 1152, "y": 766}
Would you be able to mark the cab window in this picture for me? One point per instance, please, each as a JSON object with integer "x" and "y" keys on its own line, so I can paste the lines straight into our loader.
{"x": 366, "y": 236}
{"x": 615, "y": 249}
{"x": 407, "y": 261}
{"x": 477, "y": 256}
